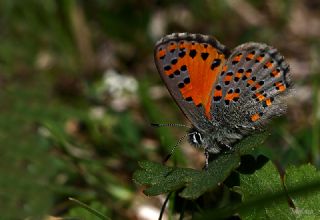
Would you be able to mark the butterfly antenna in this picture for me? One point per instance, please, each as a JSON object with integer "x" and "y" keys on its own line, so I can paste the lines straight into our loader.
{"x": 169, "y": 125}
{"x": 174, "y": 147}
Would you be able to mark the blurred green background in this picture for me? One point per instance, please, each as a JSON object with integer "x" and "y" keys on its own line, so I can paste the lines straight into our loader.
{"x": 79, "y": 89}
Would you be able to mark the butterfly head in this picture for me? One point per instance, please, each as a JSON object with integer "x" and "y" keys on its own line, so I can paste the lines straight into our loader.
{"x": 204, "y": 139}
{"x": 195, "y": 137}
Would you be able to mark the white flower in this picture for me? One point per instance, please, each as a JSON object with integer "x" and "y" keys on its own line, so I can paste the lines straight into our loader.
{"x": 121, "y": 88}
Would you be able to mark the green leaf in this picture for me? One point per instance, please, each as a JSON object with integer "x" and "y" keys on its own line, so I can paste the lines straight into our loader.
{"x": 307, "y": 179}
{"x": 265, "y": 196}
{"x": 162, "y": 179}
{"x": 262, "y": 184}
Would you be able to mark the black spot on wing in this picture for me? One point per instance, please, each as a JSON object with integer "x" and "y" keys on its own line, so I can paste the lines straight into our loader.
{"x": 189, "y": 99}
{"x": 177, "y": 72}
{"x": 204, "y": 56}
{"x": 182, "y": 53}
{"x": 174, "y": 61}
{"x": 167, "y": 68}
{"x": 192, "y": 53}
{"x": 215, "y": 63}
{"x": 186, "y": 80}
{"x": 183, "y": 68}
{"x": 217, "y": 98}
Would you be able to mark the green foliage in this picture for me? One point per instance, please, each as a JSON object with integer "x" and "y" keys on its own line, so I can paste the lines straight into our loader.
{"x": 265, "y": 192}
{"x": 261, "y": 184}
{"x": 265, "y": 195}
{"x": 54, "y": 144}
{"x": 303, "y": 187}
{"x": 164, "y": 179}
{"x": 26, "y": 169}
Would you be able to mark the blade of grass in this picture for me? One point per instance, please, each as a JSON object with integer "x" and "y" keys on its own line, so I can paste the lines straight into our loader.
{"x": 94, "y": 212}
{"x": 316, "y": 115}
{"x": 315, "y": 127}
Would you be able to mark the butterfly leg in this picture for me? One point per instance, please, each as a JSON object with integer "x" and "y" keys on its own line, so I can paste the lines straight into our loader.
{"x": 224, "y": 145}
{"x": 206, "y": 154}
{"x": 227, "y": 146}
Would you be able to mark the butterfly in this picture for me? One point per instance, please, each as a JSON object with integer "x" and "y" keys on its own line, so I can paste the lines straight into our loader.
{"x": 226, "y": 95}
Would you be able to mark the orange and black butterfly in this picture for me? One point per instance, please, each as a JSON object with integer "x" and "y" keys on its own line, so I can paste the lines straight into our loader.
{"x": 226, "y": 95}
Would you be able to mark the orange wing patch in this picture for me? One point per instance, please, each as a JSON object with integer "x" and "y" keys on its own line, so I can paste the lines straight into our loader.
{"x": 259, "y": 96}
{"x": 228, "y": 78}
{"x": 267, "y": 102}
{"x": 260, "y": 58}
{"x": 280, "y": 86}
{"x": 238, "y": 75}
{"x": 275, "y": 73}
{"x": 236, "y": 59}
{"x": 203, "y": 63}
{"x": 255, "y": 117}
{"x": 268, "y": 64}
{"x": 250, "y": 56}
{"x": 172, "y": 46}
{"x": 217, "y": 94}
{"x": 161, "y": 53}
{"x": 232, "y": 96}
{"x": 251, "y": 81}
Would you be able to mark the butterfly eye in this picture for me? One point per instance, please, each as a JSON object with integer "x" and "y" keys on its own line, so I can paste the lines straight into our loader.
{"x": 196, "y": 138}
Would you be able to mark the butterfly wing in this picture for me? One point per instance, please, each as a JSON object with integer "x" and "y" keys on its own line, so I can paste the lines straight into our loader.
{"x": 250, "y": 89}
{"x": 190, "y": 65}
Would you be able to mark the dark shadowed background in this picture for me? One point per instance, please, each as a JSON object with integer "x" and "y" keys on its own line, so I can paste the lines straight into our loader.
{"x": 79, "y": 89}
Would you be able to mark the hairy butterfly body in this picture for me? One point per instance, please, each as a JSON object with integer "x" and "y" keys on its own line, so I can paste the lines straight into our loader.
{"x": 225, "y": 94}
